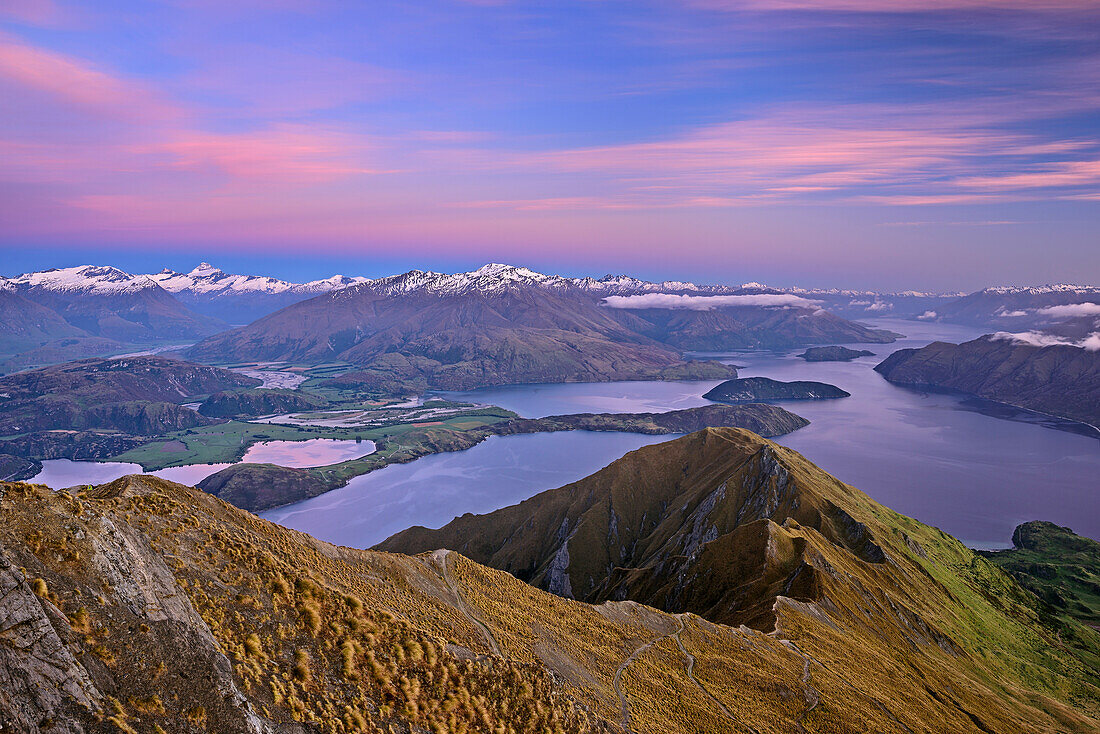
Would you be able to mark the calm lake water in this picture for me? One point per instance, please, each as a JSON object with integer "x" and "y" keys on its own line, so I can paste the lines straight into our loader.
{"x": 59, "y": 473}
{"x": 926, "y": 455}
{"x": 431, "y": 491}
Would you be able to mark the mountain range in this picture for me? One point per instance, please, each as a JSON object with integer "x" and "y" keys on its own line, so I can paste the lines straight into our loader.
{"x": 241, "y": 299}
{"x": 69, "y": 313}
{"x": 776, "y": 599}
{"x": 1013, "y": 308}
{"x": 502, "y": 325}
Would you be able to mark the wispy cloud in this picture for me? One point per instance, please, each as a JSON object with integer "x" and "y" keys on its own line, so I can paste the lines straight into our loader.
{"x": 707, "y": 303}
{"x": 1041, "y": 339}
{"x": 77, "y": 82}
{"x": 1071, "y": 310}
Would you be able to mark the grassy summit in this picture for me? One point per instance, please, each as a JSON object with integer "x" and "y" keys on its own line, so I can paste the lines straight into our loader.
{"x": 1060, "y": 567}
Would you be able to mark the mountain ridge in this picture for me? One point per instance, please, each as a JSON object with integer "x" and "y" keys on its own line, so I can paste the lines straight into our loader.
{"x": 141, "y": 603}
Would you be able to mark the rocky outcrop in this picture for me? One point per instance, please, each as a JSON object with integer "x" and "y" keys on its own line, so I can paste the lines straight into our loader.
{"x": 763, "y": 389}
{"x": 252, "y": 403}
{"x": 40, "y": 679}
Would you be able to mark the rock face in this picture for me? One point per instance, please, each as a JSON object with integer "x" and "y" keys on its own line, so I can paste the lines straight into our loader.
{"x": 834, "y": 354}
{"x": 1060, "y": 380}
{"x": 137, "y": 395}
{"x": 40, "y": 679}
{"x": 758, "y": 389}
{"x": 251, "y": 403}
{"x": 143, "y": 604}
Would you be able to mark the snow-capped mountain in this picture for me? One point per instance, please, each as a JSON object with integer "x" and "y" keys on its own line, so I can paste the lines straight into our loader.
{"x": 240, "y": 299}
{"x": 105, "y": 302}
{"x": 98, "y": 280}
{"x": 1040, "y": 290}
{"x": 209, "y": 280}
{"x": 1011, "y": 308}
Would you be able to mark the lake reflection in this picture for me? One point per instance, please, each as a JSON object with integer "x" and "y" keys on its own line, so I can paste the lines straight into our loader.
{"x": 58, "y": 473}
{"x": 304, "y": 454}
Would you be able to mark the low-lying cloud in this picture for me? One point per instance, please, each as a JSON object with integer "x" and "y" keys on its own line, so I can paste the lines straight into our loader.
{"x": 707, "y": 303}
{"x": 1090, "y": 343}
{"x": 1070, "y": 310}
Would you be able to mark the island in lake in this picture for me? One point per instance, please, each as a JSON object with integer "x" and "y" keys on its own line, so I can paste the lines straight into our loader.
{"x": 834, "y": 354}
{"x": 763, "y": 389}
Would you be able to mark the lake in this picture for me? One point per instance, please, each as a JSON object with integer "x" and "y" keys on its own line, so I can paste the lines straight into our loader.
{"x": 59, "y": 473}
{"x": 431, "y": 491}
{"x": 929, "y": 456}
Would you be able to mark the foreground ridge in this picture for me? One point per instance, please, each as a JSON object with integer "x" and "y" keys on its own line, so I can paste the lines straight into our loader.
{"x": 144, "y": 603}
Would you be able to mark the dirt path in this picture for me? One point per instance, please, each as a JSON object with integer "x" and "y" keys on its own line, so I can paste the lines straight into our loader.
{"x": 440, "y": 559}
{"x": 616, "y": 682}
{"x": 690, "y": 668}
{"x": 813, "y": 698}
{"x": 691, "y": 674}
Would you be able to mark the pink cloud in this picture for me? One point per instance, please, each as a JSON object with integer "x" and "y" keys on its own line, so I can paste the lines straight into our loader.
{"x": 287, "y": 152}
{"x": 76, "y": 82}
{"x": 1047, "y": 175}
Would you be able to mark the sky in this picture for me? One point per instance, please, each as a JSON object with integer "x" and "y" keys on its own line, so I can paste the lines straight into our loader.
{"x": 852, "y": 143}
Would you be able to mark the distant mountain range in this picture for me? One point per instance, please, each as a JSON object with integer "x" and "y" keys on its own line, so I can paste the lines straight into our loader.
{"x": 504, "y": 325}
{"x": 69, "y": 313}
{"x": 1013, "y": 308}
{"x": 241, "y": 299}
{"x": 495, "y": 325}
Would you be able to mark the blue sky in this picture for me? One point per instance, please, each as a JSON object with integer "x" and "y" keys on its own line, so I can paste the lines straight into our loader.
{"x": 820, "y": 142}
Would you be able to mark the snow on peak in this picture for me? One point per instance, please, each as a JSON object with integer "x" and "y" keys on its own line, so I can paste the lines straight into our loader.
{"x": 1002, "y": 290}
{"x": 87, "y": 279}
{"x": 204, "y": 269}
{"x": 488, "y": 278}
{"x": 207, "y": 280}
